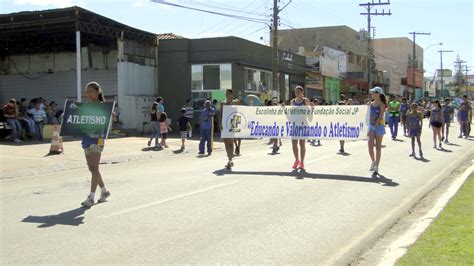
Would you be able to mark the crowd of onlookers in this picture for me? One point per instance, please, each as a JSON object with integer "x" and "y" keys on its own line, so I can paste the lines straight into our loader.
{"x": 27, "y": 119}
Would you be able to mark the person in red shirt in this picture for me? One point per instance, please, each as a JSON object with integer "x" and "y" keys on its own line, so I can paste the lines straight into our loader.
{"x": 10, "y": 111}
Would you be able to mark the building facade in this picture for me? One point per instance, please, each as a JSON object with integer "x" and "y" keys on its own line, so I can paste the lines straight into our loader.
{"x": 329, "y": 43}
{"x": 201, "y": 69}
{"x": 393, "y": 59}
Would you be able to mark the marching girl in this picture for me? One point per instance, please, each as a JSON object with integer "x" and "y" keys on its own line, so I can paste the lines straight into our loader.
{"x": 93, "y": 147}
{"x": 415, "y": 126}
{"x": 376, "y": 126}
{"x": 300, "y": 153}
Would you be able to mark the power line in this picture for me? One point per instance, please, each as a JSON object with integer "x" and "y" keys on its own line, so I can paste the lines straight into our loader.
{"x": 221, "y": 27}
{"x": 222, "y": 7}
{"x": 220, "y": 24}
{"x": 257, "y": 20}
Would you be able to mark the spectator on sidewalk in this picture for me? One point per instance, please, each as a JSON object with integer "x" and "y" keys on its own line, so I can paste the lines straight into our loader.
{"x": 26, "y": 122}
{"x": 184, "y": 127}
{"x": 190, "y": 116}
{"x": 10, "y": 111}
{"x": 39, "y": 115}
{"x": 161, "y": 107}
{"x": 206, "y": 117}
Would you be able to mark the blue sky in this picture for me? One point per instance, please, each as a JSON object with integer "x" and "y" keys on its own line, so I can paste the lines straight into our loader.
{"x": 449, "y": 21}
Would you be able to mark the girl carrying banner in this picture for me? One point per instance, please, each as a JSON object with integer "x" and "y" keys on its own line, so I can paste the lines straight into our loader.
{"x": 93, "y": 147}
{"x": 300, "y": 100}
{"x": 228, "y": 142}
{"x": 376, "y": 126}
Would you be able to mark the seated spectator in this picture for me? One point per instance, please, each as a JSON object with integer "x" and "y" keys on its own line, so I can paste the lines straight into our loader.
{"x": 25, "y": 120}
{"x": 51, "y": 111}
{"x": 39, "y": 116}
{"x": 10, "y": 111}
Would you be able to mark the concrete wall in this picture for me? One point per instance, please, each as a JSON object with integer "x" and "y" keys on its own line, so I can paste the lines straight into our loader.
{"x": 137, "y": 91}
{"x": 55, "y": 87}
{"x": 53, "y": 75}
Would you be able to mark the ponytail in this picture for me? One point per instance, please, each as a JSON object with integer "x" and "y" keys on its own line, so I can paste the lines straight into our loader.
{"x": 383, "y": 99}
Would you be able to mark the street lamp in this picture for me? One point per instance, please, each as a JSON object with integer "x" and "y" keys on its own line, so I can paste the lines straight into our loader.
{"x": 424, "y": 50}
{"x": 442, "y": 71}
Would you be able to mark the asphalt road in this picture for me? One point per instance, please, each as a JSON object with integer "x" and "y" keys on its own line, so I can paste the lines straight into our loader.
{"x": 184, "y": 209}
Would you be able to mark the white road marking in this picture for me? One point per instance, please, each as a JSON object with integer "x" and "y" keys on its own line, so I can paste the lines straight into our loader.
{"x": 167, "y": 200}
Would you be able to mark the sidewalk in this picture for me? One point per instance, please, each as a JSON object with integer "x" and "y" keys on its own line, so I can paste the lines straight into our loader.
{"x": 30, "y": 160}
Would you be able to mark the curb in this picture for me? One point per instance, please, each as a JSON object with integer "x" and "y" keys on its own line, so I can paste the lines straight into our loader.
{"x": 400, "y": 246}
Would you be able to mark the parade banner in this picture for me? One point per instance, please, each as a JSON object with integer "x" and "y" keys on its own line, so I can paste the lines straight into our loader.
{"x": 343, "y": 122}
{"x": 92, "y": 119}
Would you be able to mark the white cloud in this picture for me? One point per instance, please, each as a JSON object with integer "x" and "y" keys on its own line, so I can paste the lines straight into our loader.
{"x": 53, "y": 3}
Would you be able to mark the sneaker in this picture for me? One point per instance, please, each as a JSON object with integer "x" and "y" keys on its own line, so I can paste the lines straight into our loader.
{"x": 372, "y": 167}
{"x": 442, "y": 138}
{"x": 274, "y": 150}
{"x": 301, "y": 165}
{"x": 149, "y": 143}
{"x": 229, "y": 165}
{"x": 104, "y": 196}
{"x": 376, "y": 169}
{"x": 440, "y": 146}
{"x": 341, "y": 151}
{"x": 421, "y": 154}
{"x": 296, "y": 164}
{"x": 88, "y": 202}
{"x": 412, "y": 154}
{"x": 237, "y": 150}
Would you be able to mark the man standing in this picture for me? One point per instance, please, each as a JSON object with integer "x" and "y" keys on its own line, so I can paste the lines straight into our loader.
{"x": 189, "y": 115}
{"x": 394, "y": 116}
{"x": 206, "y": 120}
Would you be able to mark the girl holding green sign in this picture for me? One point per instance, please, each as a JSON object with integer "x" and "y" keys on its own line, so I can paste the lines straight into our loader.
{"x": 93, "y": 148}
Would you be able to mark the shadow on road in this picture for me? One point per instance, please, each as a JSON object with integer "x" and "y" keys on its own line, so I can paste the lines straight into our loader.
{"x": 302, "y": 174}
{"x": 155, "y": 148}
{"x": 453, "y": 144}
{"x": 65, "y": 218}
{"x": 444, "y": 150}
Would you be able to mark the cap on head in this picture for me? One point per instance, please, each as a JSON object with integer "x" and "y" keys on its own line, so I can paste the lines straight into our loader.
{"x": 377, "y": 90}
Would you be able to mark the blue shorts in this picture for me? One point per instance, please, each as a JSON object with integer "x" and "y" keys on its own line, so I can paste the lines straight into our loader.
{"x": 379, "y": 130}
{"x": 415, "y": 132}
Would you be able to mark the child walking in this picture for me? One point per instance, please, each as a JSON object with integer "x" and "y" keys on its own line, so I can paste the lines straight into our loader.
{"x": 164, "y": 129}
{"x": 153, "y": 118}
{"x": 93, "y": 147}
{"x": 436, "y": 123}
{"x": 376, "y": 127}
{"x": 184, "y": 127}
{"x": 415, "y": 126}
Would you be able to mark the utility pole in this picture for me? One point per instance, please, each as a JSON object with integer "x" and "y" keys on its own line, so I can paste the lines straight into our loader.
{"x": 459, "y": 73}
{"x": 276, "y": 80}
{"x": 442, "y": 71}
{"x": 369, "y": 13}
{"x": 413, "y": 59}
{"x": 466, "y": 78}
